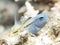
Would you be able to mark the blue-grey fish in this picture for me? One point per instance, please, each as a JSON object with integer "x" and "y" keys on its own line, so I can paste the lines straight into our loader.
{"x": 33, "y": 25}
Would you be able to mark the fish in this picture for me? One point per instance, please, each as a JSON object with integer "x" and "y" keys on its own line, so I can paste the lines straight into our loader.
{"x": 33, "y": 25}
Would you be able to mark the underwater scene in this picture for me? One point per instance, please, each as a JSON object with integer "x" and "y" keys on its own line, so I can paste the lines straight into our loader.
{"x": 29, "y": 22}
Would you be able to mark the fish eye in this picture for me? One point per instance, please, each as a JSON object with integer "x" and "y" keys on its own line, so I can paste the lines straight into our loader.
{"x": 41, "y": 18}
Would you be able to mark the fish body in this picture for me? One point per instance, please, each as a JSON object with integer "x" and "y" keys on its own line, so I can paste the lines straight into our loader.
{"x": 32, "y": 25}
